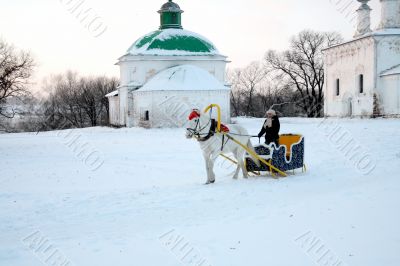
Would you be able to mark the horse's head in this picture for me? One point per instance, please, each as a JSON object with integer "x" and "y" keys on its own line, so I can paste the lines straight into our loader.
{"x": 194, "y": 124}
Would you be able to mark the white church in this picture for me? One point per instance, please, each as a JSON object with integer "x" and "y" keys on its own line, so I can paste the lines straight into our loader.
{"x": 362, "y": 76}
{"x": 166, "y": 73}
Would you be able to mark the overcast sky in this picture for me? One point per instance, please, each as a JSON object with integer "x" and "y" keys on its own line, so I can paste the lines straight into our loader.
{"x": 242, "y": 30}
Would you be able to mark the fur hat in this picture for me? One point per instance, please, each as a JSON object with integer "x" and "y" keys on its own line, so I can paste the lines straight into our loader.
{"x": 271, "y": 112}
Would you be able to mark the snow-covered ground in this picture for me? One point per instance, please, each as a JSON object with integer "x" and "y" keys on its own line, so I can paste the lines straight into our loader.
{"x": 139, "y": 199}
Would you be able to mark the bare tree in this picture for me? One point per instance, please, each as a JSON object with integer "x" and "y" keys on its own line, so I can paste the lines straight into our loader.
{"x": 93, "y": 100}
{"x": 271, "y": 92}
{"x": 233, "y": 77}
{"x": 65, "y": 99}
{"x": 16, "y": 67}
{"x": 302, "y": 68}
{"x": 76, "y": 101}
{"x": 245, "y": 83}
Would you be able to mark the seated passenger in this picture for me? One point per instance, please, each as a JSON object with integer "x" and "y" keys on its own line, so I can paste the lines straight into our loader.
{"x": 271, "y": 128}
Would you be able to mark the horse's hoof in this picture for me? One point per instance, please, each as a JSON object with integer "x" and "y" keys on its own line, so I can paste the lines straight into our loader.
{"x": 210, "y": 182}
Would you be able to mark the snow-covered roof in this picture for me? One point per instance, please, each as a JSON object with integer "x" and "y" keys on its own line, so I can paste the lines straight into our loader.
{"x": 387, "y": 32}
{"x": 169, "y": 42}
{"x": 111, "y": 94}
{"x": 134, "y": 84}
{"x": 395, "y": 70}
{"x": 377, "y": 33}
{"x": 184, "y": 77}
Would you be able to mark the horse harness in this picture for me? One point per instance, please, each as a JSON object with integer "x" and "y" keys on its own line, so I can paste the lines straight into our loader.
{"x": 211, "y": 133}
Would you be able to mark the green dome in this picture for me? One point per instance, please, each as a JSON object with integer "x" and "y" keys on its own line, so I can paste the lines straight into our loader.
{"x": 173, "y": 42}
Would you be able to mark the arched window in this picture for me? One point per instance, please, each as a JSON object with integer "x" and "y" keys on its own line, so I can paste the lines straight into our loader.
{"x": 361, "y": 83}
{"x": 337, "y": 87}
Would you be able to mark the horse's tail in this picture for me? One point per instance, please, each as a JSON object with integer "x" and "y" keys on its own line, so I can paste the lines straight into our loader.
{"x": 250, "y": 146}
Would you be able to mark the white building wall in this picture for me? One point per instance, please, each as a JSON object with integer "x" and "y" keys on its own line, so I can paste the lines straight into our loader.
{"x": 130, "y": 112}
{"x": 123, "y": 105}
{"x": 388, "y": 55}
{"x": 388, "y": 52}
{"x": 346, "y": 62}
{"x": 390, "y": 98}
{"x": 171, "y": 108}
{"x": 114, "y": 110}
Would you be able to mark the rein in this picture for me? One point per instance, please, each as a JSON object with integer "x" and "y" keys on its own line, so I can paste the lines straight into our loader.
{"x": 212, "y": 131}
{"x": 202, "y": 137}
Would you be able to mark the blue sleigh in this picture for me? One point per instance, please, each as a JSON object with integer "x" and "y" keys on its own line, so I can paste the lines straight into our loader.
{"x": 288, "y": 156}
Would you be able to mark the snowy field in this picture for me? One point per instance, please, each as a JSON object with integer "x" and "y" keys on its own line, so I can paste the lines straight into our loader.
{"x": 136, "y": 197}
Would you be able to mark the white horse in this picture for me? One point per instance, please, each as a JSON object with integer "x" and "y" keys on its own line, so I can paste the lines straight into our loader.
{"x": 203, "y": 129}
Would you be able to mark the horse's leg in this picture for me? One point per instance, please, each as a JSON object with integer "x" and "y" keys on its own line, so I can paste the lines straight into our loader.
{"x": 213, "y": 158}
{"x": 210, "y": 178}
{"x": 209, "y": 168}
{"x": 240, "y": 160}
{"x": 236, "y": 175}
